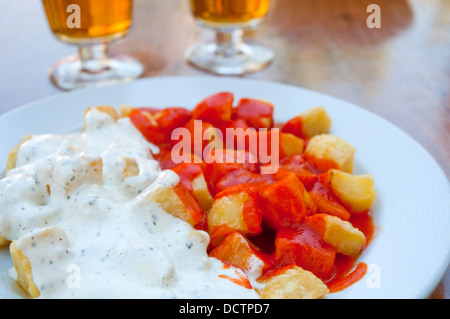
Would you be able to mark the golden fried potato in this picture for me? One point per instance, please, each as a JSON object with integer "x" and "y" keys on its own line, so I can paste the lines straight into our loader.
{"x": 315, "y": 121}
{"x": 237, "y": 208}
{"x": 229, "y": 210}
{"x": 356, "y": 191}
{"x": 341, "y": 234}
{"x": 201, "y": 192}
{"x": 290, "y": 144}
{"x": 292, "y": 282}
{"x": 177, "y": 201}
{"x": 131, "y": 168}
{"x": 3, "y": 241}
{"x": 111, "y": 111}
{"x": 52, "y": 240}
{"x": 23, "y": 268}
{"x": 125, "y": 110}
{"x": 327, "y": 147}
{"x": 237, "y": 250}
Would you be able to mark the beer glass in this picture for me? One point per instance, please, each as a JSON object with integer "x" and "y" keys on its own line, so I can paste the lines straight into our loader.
{"x": 91, "y": 25}
{"x": 229, "y": 55}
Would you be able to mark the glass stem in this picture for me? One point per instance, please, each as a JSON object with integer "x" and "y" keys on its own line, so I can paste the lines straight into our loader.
{"x": 229, "y": 43}
{"x": 94, "y": 58}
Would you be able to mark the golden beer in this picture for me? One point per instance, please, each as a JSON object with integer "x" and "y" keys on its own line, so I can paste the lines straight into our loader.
{"x": 91, "y": 25}
{"x": 229, "y": 54}
{"x": 229, "y": 11}
{"x": 98, "y": 19}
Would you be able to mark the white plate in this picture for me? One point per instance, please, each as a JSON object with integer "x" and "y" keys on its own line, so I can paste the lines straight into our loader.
{"x": 410, "y": 250}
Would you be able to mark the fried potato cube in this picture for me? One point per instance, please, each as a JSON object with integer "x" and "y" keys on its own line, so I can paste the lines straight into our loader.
{"x": 286, "y": 202}
{"x": 224, "y": 161}
{"x": 23, "y": 269}
{"x": 131, "y": 168}
{"x": 4, "y": 241}
{"x": 214, "y": 108}
{"x": 178, "y": 202}
{"x": 326, "y": 151}
{"x": 236, "y": 208}
{"x": 305, "y": 247}
{"x": 286, "y": 144}
{"x": 291, "y": 282}
{"x": 191, "y": 175}
{"x": 171, "y": 118}
{"x": 111, "y": 111}
{"x": 156, "y": 125}
{"x": 145, "y": 122}
{"x": 290, "y": 144}
{"x": 357, "y": 192}
{"x": 201, "y": 192}
{"x": 12, "y": 156}
{"x": 313, "y": 122}
{"x": 125, "y": 110}
{"x": 232, "y": 138}
{"x": 210, "y": 137}
{"x": 54, "y": 240}
{"x": 239, "y": 252}
{"x": 257, "y": 113}
{"x": 340, "y": 234}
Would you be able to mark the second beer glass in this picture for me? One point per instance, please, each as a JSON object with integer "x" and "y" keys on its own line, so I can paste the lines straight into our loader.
{"x": 229, "y": 55}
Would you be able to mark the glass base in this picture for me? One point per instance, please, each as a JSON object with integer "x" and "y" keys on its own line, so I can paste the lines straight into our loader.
{"x": 211, "y": 58}
{"x": 71, "y": 73}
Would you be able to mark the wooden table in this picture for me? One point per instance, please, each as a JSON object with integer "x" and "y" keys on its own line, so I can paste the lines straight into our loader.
{"x": 400, "y": 71}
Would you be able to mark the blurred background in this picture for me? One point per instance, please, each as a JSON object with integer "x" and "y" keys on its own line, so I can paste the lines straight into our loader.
{"x": 400, "y": 71}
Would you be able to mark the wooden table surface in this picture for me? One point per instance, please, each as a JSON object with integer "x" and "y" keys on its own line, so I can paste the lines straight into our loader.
{"x": 400, "y": 71}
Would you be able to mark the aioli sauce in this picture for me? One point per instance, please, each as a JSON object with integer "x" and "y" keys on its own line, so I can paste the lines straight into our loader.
{"x": 90, "y": 232}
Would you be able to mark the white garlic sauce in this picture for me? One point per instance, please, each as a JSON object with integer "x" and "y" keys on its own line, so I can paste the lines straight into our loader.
{"x": 88, "y": 232}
